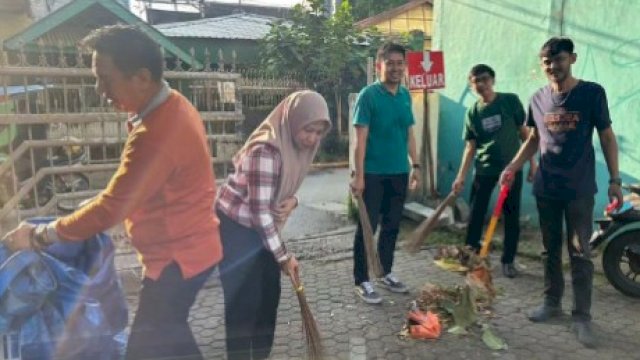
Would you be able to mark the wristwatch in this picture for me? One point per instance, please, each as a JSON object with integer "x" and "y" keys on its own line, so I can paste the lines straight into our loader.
{"x": 416, "y": 166}
{"x": 615, "y": 180}
{"x": 39, "y": 237}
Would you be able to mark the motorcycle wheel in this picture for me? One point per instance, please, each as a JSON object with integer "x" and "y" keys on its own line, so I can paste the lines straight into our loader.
{"x": 63, "y": 183}
{"x": 621, "y": 263}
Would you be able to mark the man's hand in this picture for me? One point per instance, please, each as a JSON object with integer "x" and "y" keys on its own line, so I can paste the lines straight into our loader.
{"x": 414, "y": 180}
{"x": 357, "y": 185}
{"x": 533, "y": 168}
{"x": 284, "y": 209}
{"x": 508, "y": 175}
{"x": 615, "y": 193}
{"x": 290, "y": 266}
{"x": 19, "y": 238}
{"x": 457, "y": 186}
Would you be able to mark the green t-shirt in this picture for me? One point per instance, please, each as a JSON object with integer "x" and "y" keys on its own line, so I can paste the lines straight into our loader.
{"x": 389, "y": 118}
{"x": 496, "y": 129}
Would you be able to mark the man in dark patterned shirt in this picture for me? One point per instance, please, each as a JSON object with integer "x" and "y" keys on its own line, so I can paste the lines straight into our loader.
{"x": 562, "y": 117}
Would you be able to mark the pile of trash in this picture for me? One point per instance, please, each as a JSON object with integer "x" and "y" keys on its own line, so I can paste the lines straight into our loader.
{"x": 462, "y": 309}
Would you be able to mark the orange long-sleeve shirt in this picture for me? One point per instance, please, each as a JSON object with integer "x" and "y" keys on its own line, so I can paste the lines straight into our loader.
{"x": 164, "y": 190}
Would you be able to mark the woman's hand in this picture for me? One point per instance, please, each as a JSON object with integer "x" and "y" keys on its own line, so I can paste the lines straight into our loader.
{"x": 290, "y": 266}
{"x": 284, "y": 209}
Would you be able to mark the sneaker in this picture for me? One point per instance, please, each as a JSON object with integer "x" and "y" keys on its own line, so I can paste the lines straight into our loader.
{"x": 584, "y": 333}
{"x": 509, "y": 270}
{"x": 545, "y": 312}
{"x": 392, "y": 284}
{"x": 366, "y": 291}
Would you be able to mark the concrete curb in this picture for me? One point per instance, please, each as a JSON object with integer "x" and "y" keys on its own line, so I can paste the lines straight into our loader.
{"x": 331, "y": 165}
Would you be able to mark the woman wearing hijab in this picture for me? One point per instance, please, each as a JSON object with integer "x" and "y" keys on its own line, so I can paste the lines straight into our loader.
{"x": 253, "y": 205}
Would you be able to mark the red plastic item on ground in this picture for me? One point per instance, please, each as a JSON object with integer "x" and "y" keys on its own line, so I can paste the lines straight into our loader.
{"x": 424, "y": 325}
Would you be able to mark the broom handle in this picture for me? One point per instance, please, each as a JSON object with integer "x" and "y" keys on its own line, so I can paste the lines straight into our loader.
{"x": 425, "y": 227}
{"x": 504, "y": 191}
{"x": 373, "y": 259}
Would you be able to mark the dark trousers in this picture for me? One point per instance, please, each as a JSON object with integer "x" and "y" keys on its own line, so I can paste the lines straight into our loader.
{"x": 160, "y": 329}
{"x": 384, "y": 197}
{"x": 250, "y": 279}
{"x": 480, "y": 195}
{"x": 578, "y": 215}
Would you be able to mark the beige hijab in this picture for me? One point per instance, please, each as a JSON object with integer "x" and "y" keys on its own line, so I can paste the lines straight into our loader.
{"x": 278, "y": 130}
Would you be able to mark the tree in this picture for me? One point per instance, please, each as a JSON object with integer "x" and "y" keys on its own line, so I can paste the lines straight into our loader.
{"x": 363, "y": 9}
{"x": 329, "y": 52}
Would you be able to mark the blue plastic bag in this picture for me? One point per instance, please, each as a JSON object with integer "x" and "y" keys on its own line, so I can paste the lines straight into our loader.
{"x": 65, "y": 302}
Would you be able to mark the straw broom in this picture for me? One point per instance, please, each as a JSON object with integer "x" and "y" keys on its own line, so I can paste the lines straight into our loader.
{"x": 315, "y": 350}
{"x": 371, "y": 252}
{"x": 424, "y": 229}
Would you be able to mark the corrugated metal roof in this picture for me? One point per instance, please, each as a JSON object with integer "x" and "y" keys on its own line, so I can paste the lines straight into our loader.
{"x": 237, "y": 26}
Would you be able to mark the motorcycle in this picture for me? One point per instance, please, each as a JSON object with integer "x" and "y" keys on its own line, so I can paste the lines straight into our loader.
{"x": 48, "y": 186}
{"x": 619, "y": 234}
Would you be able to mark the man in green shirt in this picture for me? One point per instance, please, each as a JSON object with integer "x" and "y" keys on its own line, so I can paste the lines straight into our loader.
{"x": 383, "y": 120}
{"x": 493, "y": 128}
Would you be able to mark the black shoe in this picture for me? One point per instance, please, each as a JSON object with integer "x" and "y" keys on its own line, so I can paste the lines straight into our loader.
{"x": 584, "y": 333}
{"x": 509, "y": 270}
{"x": 545, "y": 312}
{"x": 367, "y": 293}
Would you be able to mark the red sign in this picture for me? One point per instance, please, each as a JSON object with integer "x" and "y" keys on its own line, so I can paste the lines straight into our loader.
{"x": 426, "y": 70}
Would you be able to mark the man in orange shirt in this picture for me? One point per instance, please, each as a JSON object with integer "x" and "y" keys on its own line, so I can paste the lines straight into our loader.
{"x": 164, "y": 191}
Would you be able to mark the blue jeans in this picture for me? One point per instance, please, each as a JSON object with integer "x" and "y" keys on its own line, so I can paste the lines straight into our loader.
{"x": 578, "y": 215}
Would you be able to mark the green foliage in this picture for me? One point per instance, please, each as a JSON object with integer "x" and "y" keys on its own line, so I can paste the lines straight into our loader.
{"x": 333, "y": 148}
{"x": 352, "y": 209}
{"x": 328, "y": 52}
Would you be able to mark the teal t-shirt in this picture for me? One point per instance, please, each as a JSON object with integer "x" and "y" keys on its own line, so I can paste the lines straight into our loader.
{"x": 496, "y": 129}
{"x": 388, "y": 118}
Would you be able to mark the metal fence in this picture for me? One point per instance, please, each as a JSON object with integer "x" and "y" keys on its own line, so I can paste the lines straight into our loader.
{"x": 60, "y": 141}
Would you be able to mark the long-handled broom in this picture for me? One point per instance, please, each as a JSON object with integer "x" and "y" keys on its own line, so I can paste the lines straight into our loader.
{"x": 426, "y": 226}
{"x": 371, "y": 252}
{"x": 315, "y": 350}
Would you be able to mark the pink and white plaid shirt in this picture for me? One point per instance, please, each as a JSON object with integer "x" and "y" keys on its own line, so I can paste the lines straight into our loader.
{"x": 249, "y": 195}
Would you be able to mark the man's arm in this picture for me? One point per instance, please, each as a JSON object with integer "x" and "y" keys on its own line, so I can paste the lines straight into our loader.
{"x": 360, "y": 149}
{"x": 468, "y": 154}
{"x": 610, "y": 150}
{"x": 527, "y": 150}
{"x": 142, "y": 172}
{"x": 524, "y": 135}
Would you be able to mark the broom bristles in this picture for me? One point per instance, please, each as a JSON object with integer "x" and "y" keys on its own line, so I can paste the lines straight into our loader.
{"x": 315, "y": 350}
{"x": 371, "y": 252}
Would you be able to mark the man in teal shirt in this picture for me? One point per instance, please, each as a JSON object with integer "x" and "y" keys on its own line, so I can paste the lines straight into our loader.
{"x": 383, "y": 121}
{"x": 493, "y": 128}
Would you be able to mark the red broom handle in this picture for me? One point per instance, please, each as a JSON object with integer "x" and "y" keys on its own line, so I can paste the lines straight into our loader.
{"x": 504, "y": 192}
